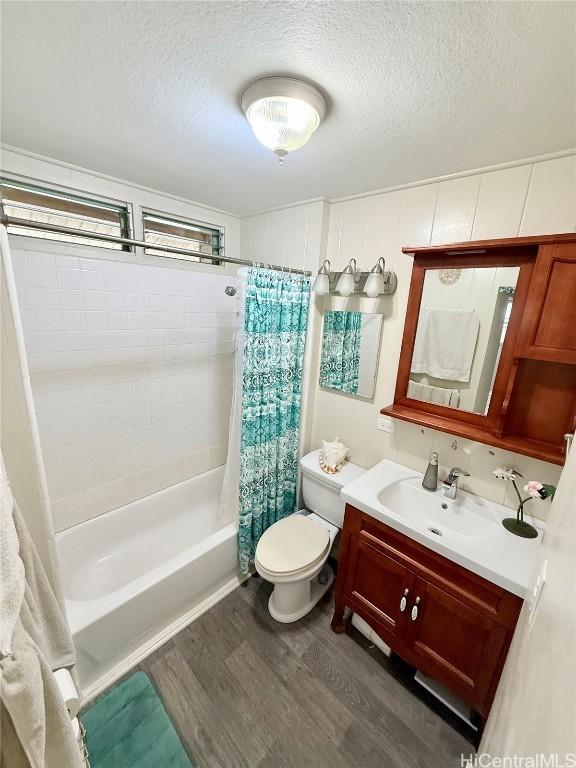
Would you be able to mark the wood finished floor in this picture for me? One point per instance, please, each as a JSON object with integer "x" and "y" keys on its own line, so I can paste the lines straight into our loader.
{"x": 246, "y": 692}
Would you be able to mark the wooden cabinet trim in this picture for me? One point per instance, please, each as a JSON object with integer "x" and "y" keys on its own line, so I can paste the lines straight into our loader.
{"x": 469, "y": 246}
{"x": 535, "y": 448}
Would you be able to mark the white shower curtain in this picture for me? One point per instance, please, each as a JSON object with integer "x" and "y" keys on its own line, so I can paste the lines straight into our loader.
{"x": 21, "y": 438}
{"x": 229, "y": 501}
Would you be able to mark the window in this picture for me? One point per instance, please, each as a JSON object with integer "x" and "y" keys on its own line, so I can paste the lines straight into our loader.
{"x": 60, "y": 208}
{"x": 192, "y": 236}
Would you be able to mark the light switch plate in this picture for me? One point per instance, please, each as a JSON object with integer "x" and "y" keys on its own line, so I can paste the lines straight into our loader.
{"x": 385, "y": 424}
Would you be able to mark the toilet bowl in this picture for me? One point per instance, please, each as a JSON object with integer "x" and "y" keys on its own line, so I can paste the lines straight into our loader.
{"x": 292, "y": 553}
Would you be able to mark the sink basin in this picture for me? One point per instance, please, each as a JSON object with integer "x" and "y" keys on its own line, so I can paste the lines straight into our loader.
{"x": 467, "y": 530}
{"x": 434, "y": 513}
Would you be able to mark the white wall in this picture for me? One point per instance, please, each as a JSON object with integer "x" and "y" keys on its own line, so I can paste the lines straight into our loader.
{"x": 535, "y": 707}
{"x": 526, "y": 199}
{"x": 288, "y": 237}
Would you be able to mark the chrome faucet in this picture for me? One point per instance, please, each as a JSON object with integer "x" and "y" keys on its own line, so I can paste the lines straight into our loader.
{"x": 450, "y": 485}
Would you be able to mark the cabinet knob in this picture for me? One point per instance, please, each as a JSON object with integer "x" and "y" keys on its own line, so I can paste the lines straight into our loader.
{"x": 403, "y": 602}
{"x": 414, "y": 613}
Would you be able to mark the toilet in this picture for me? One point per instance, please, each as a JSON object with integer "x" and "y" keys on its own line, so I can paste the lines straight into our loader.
{"x": 292, "y": 553}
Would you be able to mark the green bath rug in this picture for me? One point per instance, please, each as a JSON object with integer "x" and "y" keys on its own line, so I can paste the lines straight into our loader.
{"x": 129, "y": 728}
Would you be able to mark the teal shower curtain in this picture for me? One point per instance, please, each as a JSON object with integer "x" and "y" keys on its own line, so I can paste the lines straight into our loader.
{"x": 340, "y": 361}
{"x": 275, "y": 321}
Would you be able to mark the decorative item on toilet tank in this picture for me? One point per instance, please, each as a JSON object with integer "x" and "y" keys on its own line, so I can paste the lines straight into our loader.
{"x": 332, "y": 456}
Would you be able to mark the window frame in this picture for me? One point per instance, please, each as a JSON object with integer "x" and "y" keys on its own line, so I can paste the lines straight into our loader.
{"x": 202, "y": 258}
{"x": 74, "y": 197}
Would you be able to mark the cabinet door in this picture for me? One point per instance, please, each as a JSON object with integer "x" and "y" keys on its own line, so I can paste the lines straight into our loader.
{"x": 548, "y": 328}
{"x": 379, "y": 587}
{"x": 454, "y": 643}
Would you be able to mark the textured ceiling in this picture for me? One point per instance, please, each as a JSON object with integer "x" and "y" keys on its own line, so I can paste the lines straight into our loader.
{"x": 149, "y": 91}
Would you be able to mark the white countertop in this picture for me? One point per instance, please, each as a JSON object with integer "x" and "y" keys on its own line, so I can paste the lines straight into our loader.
{"x": 484, "y": 546}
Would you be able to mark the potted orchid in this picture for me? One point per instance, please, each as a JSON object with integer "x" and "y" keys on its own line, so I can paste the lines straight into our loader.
{"x": 535, "y": 490}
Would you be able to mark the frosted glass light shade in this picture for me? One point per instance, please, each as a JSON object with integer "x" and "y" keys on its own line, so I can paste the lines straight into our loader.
{"x": 282, "y": 124}
{"x": 374, "y": 284}
{"x": 321, "y": 285}
{"x": 345, "y": 285}
{"x": 283, "y": 112}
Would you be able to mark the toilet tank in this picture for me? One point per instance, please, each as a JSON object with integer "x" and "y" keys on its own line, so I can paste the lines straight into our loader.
{"x": 321, "y": 490}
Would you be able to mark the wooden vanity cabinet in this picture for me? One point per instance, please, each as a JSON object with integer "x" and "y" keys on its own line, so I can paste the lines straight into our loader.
{"x": 446, "y": 621}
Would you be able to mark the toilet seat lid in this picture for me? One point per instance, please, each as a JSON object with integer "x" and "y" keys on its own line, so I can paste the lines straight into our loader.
{"x": 292, "y": 544}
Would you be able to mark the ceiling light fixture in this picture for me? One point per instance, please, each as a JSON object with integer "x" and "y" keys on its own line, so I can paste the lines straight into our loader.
{"x": 283, "y": 112}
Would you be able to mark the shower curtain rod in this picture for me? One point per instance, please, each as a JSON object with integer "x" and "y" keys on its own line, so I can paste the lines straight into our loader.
{"x": 16, "y": 221}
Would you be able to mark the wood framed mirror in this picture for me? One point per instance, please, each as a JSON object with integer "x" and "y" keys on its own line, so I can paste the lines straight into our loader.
{"x": 462, "y": 367}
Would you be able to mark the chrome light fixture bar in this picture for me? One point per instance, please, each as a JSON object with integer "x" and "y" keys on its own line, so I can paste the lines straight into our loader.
{"x": 352, "y": 281}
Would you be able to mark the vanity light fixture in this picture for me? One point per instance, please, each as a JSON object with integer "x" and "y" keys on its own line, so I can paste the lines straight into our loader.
{"x": 374, "y": 285}
{"x": 283, "y": 112}
{"x": 347, "y": 282}
{"x": 321, "y": 284}
{"x": 355, "y": 281}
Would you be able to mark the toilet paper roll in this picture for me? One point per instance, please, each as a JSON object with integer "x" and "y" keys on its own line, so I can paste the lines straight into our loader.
{"x": 68, "y": 690}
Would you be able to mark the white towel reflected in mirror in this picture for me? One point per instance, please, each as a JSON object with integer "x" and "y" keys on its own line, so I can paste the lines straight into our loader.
{"x": 445, "y": 343}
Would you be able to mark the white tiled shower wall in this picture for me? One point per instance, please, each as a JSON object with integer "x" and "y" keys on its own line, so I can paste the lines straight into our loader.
{"x": 131, "y": 370}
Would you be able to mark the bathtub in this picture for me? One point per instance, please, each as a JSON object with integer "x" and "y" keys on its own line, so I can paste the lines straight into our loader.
{"x": 135, "y": 575}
